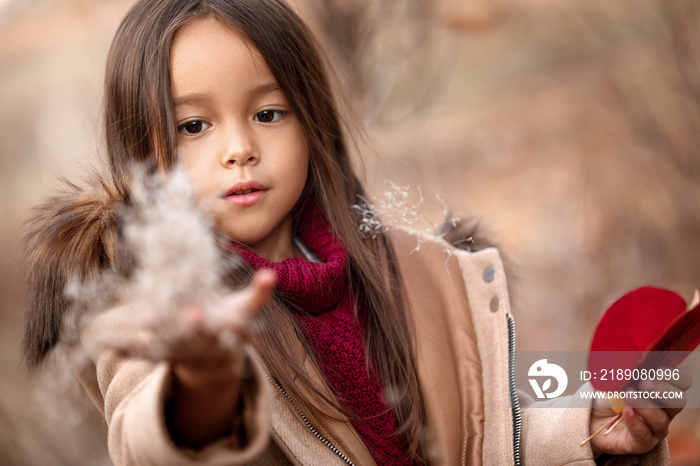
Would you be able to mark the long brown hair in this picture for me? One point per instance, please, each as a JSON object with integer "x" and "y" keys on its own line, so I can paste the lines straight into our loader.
{"x": 141, "y": 127}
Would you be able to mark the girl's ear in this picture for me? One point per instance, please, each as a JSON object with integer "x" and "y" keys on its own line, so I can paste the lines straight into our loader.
{"x": 72, "y": 234}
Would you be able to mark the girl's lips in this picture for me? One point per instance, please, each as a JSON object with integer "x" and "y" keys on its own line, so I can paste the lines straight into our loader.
{"x": 245, "y": 186}
{"x": 246, "y": 193}
{"x": 245, "y": 200}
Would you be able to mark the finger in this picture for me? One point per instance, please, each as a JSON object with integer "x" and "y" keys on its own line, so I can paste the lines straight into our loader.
{"x": 684, "y": 381}
{"x": 195, "y": 316}
{"x": 237, "y": 310}
{"x": 261, "y": 288}
{"x": 195, "y": 319}
{"x": 641, "y": 436}
{"x": 666, "y": 395}
{"x": 656, "y": 419}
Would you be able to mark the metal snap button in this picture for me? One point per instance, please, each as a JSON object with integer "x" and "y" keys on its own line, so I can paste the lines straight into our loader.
{"x": 495, "y": 304}
{"x": 489, "y": 274}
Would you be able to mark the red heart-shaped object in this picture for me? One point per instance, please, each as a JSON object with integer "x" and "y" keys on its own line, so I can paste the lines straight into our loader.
{"x": 636, "y": 328}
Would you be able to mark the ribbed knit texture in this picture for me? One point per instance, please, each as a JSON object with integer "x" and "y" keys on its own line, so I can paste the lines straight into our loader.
{"x": 322, "y": 290}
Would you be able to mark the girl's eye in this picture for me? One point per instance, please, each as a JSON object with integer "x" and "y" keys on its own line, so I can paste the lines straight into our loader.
{"x": 193, "y": 127}
{"x": 269, "y": 116}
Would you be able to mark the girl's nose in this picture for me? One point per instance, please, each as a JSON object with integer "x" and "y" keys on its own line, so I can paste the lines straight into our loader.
{"x": 240, "y": 151}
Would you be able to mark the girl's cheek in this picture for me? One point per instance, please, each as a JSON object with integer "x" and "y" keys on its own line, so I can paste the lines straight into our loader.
{"x": 194, "y": 175}
{"x": 187, "y": 161}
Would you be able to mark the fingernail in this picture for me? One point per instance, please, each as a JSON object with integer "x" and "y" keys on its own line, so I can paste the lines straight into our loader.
{"x": 194, "y": 315}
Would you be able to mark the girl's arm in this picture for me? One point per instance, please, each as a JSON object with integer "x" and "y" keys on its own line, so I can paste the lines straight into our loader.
{"x": 205, "y": 403}
{"x": 207, "y": 384}
{"x": 196, "y": 403}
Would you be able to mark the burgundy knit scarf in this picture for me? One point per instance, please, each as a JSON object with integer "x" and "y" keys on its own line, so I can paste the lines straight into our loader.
{"x": 322, "y": 291}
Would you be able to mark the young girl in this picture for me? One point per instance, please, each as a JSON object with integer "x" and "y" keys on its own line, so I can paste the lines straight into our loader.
{"x": 371, "y": 350}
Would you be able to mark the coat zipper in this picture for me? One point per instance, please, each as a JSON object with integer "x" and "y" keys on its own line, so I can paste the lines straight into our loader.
{"x": 308, "y": 424}
{"x": 514, "y": 402}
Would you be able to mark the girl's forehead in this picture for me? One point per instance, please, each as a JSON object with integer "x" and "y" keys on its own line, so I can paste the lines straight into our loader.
{"x": 210, "y": 33}
{"x": 209, "y": 56}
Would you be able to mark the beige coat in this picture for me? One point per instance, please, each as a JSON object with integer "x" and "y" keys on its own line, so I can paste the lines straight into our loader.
{"x": 460, "y": 317}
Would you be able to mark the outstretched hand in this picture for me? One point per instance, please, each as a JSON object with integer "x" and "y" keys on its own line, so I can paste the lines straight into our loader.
{"x": 645, "y": 422}
{"x": 195, "y": 337}
{"x": 205, "y": 353}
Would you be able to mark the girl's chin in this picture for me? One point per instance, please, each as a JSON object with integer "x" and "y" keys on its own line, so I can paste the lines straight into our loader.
{"x": 264, "y": 236}
{"x": 248, "y": 241}
{"x": 241, "y": 235}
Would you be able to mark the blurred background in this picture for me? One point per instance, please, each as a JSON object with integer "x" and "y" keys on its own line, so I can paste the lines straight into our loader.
{"x": 571, "y": 129}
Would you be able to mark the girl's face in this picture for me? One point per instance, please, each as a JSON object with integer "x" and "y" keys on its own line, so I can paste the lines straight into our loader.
{"x": 243, "y": 148}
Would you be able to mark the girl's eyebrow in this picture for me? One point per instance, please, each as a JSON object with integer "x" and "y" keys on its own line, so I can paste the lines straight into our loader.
{"x": 188, "y": 99}
{"x": 265, "y": 88}
{"x": 257, "y": 91}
